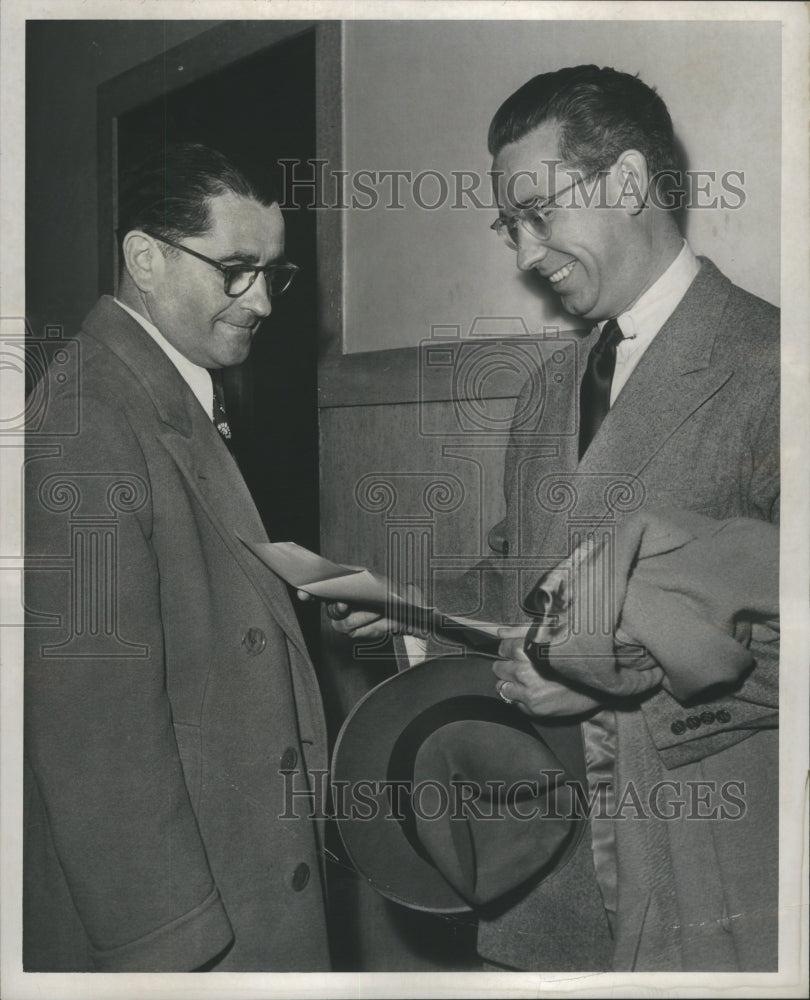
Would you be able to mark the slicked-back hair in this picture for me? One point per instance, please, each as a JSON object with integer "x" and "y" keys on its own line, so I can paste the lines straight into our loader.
{"x": 168, "y": 193}
{"x": 599, "y": 113}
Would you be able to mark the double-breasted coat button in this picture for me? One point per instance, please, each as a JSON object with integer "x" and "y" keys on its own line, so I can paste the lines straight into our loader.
{"x": 707, "y": 718}
{"x": 693, "y": 722}
{"x": 289, "y": 759}
{"x": 678, "y": 727}
{"x": 254, "y": 641}
{"x": 724, "y": 715}
{"x": 300, "y": 877}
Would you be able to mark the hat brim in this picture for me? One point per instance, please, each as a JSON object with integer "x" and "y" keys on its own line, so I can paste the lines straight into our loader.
{"x": 375, "y": 747}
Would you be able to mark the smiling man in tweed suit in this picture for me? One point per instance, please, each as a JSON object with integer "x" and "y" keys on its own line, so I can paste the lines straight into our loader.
{"x": 677, "y": 403}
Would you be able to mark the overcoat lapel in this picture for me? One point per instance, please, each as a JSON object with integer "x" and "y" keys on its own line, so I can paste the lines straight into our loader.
{"x": 201, "y": 454}
{"x": 214, "y": 476}
{"x": 673, "y": 379}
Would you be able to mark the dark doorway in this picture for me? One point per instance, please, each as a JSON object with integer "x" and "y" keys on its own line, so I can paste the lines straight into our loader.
{"x": 259, "y": 110}
{"x": 258, "y": 106}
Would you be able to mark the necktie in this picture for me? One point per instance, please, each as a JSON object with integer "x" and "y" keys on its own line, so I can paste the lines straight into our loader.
{"x": 594, "y": 392}
{"x": 220, "y": 417}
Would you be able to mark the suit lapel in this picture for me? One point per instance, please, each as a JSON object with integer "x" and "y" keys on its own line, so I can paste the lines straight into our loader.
{"x": 199, "y": 451}
{"x": 214, "y": 477}
{"x": 673, "y": 379}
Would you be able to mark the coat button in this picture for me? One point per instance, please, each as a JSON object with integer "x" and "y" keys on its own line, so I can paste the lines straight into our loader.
{"x": 707, "y": 718}
{"x": 289, "y": 759}
{"x": 693, "y": 722}
{"x": 678, "y": 727}
{"x": 724, "y": 715}
{"x": 254, "y": 641}
{"x": 300, "y": 877}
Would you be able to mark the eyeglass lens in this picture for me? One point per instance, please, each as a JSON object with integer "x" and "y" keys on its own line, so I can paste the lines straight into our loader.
{"x": 278, "y": 278}
{"x": 534, "y": 223}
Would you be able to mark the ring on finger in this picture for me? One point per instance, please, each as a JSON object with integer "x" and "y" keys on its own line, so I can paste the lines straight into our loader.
{"x": 500, "y": 687}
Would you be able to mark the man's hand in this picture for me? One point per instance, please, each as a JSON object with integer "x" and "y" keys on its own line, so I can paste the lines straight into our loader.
{"x": 522, "y": 684}
{"x": 366, "y": 625}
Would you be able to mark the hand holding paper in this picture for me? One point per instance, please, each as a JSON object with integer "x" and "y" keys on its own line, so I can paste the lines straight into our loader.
{"x": 321, "y": 577}
{"x": 366, "y": 593}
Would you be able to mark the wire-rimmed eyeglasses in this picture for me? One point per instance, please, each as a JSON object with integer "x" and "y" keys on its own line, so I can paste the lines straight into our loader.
{"x": 240, "y": 277}
{"x": 533, "y": 217}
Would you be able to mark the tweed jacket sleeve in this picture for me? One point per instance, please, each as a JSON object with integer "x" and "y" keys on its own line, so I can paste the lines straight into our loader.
{"x": 682, "y": 596}
{"x": 686, "y": 731}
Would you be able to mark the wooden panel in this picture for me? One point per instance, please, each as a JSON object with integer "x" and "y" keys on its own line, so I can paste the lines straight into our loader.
{"x": 380, "y": 475}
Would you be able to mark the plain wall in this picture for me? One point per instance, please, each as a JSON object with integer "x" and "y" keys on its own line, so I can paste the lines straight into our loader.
{"x": 420, "y": 96}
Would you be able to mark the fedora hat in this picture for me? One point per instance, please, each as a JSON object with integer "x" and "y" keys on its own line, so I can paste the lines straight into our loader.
{"x": 447, "y": 797}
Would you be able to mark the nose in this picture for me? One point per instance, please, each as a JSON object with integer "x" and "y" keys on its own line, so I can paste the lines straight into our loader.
{"x": 257, "y": 297}
{"x": 531, "y": 251}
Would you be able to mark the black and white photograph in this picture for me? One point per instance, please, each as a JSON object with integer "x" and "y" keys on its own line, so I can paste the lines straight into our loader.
{"x": 405, "y": 499}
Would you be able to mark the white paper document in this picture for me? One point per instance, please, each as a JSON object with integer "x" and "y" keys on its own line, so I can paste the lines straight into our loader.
{"x": 355, "y": 585}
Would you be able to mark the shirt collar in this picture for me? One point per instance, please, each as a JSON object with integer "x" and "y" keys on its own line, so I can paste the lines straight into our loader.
{"x": 646, "y": 316}
{"x": 196, "y": 378}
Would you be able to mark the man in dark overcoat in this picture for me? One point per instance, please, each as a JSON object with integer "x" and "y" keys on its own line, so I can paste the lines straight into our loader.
{"x": 169, "y": 697}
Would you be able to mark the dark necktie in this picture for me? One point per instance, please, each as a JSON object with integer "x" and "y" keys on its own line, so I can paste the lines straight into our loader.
{"x": 220, "y": 417}
{"x": 594, "y": 392}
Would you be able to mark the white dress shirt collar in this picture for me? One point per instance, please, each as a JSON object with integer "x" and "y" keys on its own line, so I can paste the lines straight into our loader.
{"x": 652, "y": 309}
{"x": 198, "y": 379}
{"x": 642, "y": 321}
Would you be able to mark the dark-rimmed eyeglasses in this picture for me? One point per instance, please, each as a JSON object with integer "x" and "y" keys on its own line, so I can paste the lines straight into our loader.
{"x": 533, "y": 217}
{"x": 240, "y": 277}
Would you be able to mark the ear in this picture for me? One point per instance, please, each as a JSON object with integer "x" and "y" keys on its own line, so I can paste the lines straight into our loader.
{"x": 632, "y": 180}
{"x": 143, "y": 259}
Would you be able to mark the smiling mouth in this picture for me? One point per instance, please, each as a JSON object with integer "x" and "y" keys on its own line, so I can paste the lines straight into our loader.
{"x": 248, "y": 328}
{"x": 562, "y": 273}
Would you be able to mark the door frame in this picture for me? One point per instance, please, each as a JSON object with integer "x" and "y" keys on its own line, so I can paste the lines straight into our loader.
{"x": 213, "y": 50}
{"x": 366, "y": 378}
